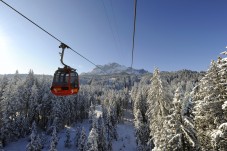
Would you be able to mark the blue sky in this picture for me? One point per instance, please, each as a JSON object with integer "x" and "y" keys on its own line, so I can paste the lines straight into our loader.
{"x": 170, "y": 34}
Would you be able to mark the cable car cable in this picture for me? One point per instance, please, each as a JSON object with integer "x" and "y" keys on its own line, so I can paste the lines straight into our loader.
{"x": 134, "y": 31}
{"x": 50, "y": 34}
{"x": 133, "y": 37}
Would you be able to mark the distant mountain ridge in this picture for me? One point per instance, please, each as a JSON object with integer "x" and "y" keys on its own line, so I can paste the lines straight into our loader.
{"x": 114, "y": 68}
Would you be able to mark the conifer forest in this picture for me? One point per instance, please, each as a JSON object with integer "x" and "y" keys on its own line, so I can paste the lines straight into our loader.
{"x": 170, "y": 111}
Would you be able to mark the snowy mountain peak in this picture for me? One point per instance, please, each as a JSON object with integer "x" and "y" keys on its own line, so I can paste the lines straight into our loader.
{"x": 115, "y": 68}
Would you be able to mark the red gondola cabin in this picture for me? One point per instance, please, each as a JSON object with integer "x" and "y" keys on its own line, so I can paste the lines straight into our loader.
{"x": 65, "y": 82}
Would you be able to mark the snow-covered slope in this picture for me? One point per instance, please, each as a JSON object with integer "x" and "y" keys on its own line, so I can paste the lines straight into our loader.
{"x": 114, "y": 68}
{"x": 126, "y": 138}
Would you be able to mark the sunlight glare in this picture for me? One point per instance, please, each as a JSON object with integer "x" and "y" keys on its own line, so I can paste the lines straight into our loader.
{"x": 6, "y": 61}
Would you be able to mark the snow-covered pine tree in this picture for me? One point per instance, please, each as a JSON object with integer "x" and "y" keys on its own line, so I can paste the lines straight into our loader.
{"x": 140, "y": 104}
{"x": 119, "y": 106}
{"x": 112, "y": 123}
{"x": 83, "y": 104}
{"x": 189, "y": 86}
{"x": 56, "y": 117}
{"x": 181, "y": 134}
{"x": 125, "y": 99}
{"x": 92, "y": 141}
{"x": 65, "y": 107}
{"x": 6, "y": 129}
{"x": 134, "y": 92}
{"x": 67, "y": 141}
{"x": 219, "y": 136}
{"x": 3, "y": 84}
{"x": 109, "y": 146}
{"x": 93, "y": 101}
{"x": 102, "y": 144}
{"x": 21, "y": 122}
{"x": 35, "y": 143}
{"x": 77, "y": 136}
{"x": 208, "y": 104}
{"x": 223, "y": 82}
{"x": 104, "y": 113}
{"x": 82, "y": 141}
{"x": 33, "y": 104}
{"x": 222, "y": 62}
{"x": 10, "y": 110}
{"x": 54, "y": 140}
{"x": 11, "y": 106}
{"x": 92, "y": 116}
{"x": 45, "y": 103}
{"x": 94, "y": 122}
{"x": 140, "y": 146}
{"x": 158, "y": 109}
{"x": 109, "y": 128}
{"x": 141, "y": 130}
{"x": 67, "y": 103}
{"x": 91, "y": 110}
{"x": 75, "y": 109}
{"x": 29, "y": 82}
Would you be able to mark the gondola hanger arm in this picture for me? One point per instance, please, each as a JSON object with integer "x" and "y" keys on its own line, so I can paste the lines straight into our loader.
{"x": 63, "y": 46}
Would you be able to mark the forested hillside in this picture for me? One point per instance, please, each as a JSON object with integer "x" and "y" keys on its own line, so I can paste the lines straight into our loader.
{"x": 182, "y": 110}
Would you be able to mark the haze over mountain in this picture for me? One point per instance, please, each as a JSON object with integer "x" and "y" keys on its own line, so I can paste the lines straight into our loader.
{"x": 114, "y": 68}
